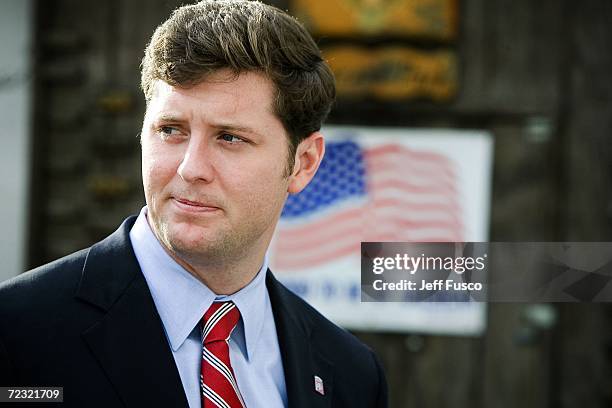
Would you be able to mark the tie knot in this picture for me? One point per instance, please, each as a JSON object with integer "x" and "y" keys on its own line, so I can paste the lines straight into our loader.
{"x": 219, "y": 321}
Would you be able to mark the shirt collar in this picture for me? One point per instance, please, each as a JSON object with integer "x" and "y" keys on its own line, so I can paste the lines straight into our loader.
{"x": 181, "y": 299}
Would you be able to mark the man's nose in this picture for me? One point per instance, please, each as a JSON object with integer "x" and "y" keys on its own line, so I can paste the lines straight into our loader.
{"x": 197, "y": 163}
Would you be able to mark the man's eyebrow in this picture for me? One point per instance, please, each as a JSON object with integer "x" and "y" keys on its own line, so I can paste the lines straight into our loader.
{"x": 234, "y": 127}
{"x": 169, "y": 117}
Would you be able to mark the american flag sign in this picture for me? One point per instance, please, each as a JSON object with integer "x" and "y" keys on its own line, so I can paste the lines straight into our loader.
{"x": 381, "y": 192}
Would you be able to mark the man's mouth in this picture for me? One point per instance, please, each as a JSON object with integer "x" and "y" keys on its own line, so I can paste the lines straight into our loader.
{"x": 196, "y": 206}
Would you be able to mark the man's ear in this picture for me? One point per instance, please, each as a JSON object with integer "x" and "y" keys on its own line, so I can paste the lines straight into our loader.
{"x": 308, "y": 156}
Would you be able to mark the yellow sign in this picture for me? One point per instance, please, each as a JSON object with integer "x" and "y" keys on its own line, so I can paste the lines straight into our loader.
{"x": 435, "y": 19}
{"x": 393, "y": 72}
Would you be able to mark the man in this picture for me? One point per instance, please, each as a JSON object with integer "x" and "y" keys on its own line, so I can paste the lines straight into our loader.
{"x": 177, "y": 307}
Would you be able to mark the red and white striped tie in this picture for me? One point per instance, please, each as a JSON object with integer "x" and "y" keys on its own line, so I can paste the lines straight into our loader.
{"x": 217, "y": 380}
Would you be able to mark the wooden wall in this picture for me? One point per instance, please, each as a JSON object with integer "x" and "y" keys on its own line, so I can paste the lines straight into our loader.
{"x": 534, "y": 73}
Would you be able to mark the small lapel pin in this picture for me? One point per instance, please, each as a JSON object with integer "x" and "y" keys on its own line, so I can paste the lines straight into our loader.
{"x": 319, "y": 385}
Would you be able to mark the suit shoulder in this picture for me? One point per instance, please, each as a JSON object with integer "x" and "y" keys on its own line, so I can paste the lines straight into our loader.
{"x": 55, "y": 279}
{"x": 337, "y": 339}
{"x": 360, "y": 376}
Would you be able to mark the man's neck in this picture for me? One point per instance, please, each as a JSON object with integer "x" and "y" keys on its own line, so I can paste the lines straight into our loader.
{"x": 222, "y": 278}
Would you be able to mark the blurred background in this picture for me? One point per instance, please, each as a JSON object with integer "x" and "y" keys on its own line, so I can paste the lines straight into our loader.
{"x": 533, "y": 74}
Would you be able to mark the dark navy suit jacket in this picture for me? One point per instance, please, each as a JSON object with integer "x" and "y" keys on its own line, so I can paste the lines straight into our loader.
{"x": 87, "y": 322}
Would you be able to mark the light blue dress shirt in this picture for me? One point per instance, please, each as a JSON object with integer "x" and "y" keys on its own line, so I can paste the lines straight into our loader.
{"x": 182, "y": 300}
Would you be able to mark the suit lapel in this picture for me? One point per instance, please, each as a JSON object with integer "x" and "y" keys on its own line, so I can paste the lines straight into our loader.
{"x": 301, "y": 362}
{"x": 129, "y": 341}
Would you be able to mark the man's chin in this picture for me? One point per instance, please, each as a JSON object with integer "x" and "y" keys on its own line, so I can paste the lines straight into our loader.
{"x": 190, "y": 231}
{"x": 192, "y": 245}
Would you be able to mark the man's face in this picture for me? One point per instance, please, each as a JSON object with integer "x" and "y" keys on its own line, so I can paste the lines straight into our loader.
{"x": 213, "y": 164}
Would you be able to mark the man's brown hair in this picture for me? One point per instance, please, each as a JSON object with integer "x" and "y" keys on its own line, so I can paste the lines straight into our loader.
{"x": 243, "y": 36}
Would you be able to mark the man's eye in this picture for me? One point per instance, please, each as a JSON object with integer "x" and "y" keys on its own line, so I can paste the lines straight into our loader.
{"x": 168, "y": 130}
{"x": 226, "y": 137}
